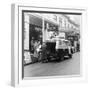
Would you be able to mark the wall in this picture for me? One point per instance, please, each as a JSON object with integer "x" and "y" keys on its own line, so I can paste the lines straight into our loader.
{"x": 5, "y": 45}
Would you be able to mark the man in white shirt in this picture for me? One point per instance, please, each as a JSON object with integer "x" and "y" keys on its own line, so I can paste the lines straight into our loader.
{"x": 57, "y": 43}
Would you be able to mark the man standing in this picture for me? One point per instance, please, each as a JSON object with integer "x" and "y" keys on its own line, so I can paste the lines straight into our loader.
{"x": 43, "y": 53}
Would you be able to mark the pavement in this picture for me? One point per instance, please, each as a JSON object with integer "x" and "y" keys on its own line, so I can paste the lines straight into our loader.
{"x": 65, "y": 67}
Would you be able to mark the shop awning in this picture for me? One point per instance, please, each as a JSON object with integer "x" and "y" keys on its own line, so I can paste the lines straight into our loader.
{"x": 35, "y": 20}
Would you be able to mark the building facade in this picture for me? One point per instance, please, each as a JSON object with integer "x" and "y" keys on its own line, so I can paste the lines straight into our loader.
{"x": 39, "y": 27}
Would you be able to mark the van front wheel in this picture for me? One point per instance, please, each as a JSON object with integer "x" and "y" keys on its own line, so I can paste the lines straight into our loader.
{"x": 70, "y": 55}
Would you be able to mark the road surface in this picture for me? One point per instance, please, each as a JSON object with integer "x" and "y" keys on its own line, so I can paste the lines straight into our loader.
{"x": 66, "y": 67}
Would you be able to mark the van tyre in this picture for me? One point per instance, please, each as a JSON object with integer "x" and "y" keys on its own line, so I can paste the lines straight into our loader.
{"x": 70, "y": 55}
{"x": 62, "y": 58}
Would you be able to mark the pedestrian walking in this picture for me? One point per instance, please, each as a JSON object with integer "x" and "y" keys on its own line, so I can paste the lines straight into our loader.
{"x": 43, "y": 53}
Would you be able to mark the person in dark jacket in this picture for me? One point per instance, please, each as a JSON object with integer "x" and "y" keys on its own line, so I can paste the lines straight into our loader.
{"x": 43, "y": 53}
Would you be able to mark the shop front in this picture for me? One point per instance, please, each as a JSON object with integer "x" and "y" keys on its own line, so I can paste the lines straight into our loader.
{"x": 74, "y": 38}
{"x": 34, "y": 38}
{"x": 40, "y": 30}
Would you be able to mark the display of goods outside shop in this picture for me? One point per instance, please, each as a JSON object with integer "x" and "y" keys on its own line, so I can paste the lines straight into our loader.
{"x": 27, "y": 57}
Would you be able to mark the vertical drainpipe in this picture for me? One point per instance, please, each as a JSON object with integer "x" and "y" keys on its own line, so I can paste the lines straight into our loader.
{"x": 59, "y": 24}
{"x": 26, "y": 38}
{"x": 43, "y": 34}
{"x": 26, "y": 32}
